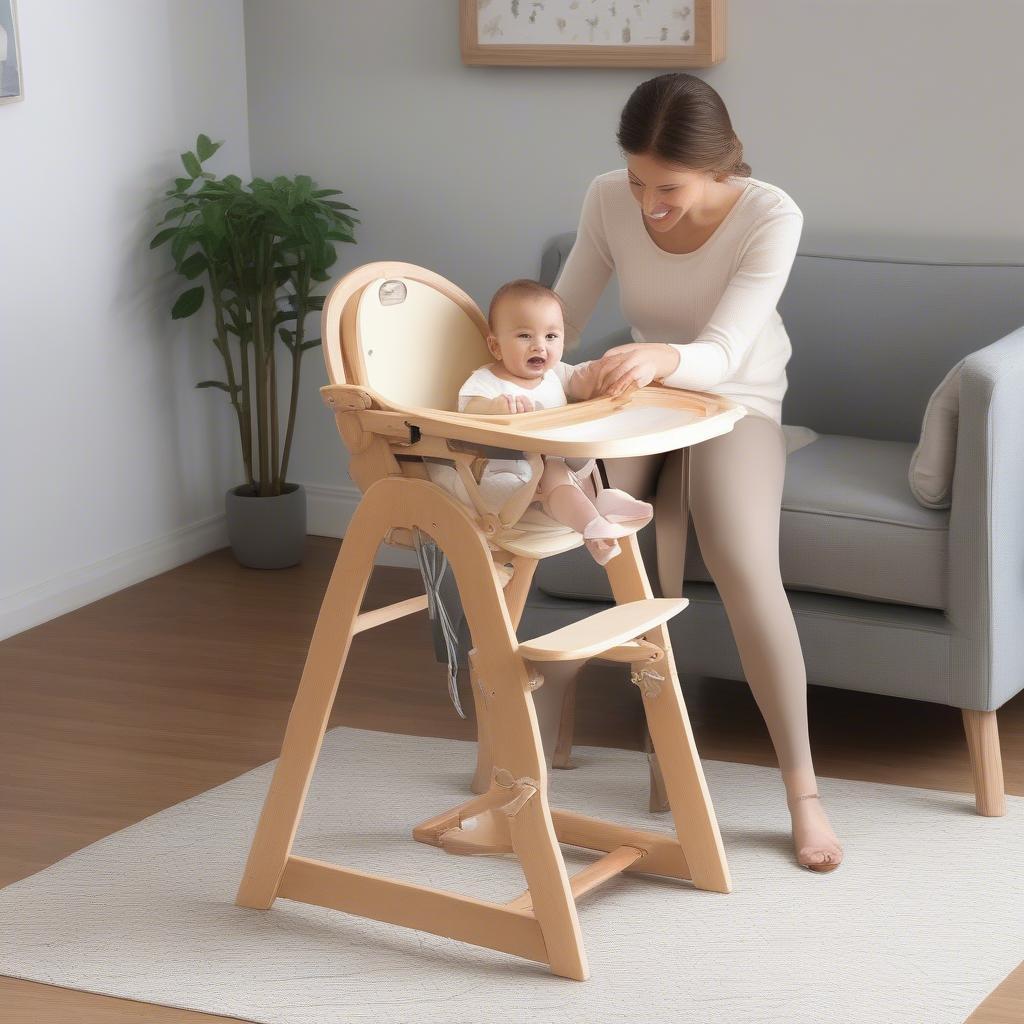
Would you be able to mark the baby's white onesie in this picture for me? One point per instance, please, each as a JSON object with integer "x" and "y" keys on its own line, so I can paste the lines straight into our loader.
{"x": 501, "y": 478}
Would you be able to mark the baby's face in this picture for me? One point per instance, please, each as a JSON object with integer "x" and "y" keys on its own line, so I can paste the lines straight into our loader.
{"x": 529, "y": 335}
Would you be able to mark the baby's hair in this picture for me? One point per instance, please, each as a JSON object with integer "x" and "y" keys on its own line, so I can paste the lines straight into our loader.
{"x": 523, "y": 286}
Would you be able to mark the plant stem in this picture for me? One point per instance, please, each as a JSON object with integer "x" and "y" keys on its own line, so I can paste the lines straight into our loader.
{"x": 259, "y": 340}
{"x": 301, "y": 293}
{"x": 296, "y": 359}
{"x": 244, "y": 340}
{"x": 272, "y": 395}
{"x": 224, "y": 346}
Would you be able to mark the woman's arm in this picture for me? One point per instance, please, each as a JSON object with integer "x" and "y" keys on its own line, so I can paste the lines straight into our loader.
{"x": 748, "y": 301}
{"x": 579, "y": 381}
{"x": 587, "y": 268}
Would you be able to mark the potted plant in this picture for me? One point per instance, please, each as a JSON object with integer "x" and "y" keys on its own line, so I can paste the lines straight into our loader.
{"x": 261, "y": 249}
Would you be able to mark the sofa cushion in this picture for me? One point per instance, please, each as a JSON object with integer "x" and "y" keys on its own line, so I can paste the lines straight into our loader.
{"x": 931, "y": 465}
{"x": 849, "y": 526}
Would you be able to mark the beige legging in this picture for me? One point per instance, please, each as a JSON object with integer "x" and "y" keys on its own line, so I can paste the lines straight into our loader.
{"x": 732, "y": 485}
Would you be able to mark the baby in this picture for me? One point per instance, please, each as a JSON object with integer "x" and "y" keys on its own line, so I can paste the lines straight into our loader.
{"x": 527, "y": 335}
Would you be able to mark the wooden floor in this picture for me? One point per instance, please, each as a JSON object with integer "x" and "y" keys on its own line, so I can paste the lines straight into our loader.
{"x": 171, "y": 687}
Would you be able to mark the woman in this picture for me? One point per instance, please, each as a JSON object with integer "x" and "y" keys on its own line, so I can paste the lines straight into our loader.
{"x": 702, "y": 252}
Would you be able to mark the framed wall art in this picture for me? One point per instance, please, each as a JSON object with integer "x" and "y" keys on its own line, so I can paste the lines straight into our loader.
{"x": 593, "y": 33}
{"x": 10, "y": 54}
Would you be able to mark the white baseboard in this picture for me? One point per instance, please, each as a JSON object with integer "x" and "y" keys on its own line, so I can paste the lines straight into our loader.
{"x": 328, "y": 511}
{"x": 64, "y": 593}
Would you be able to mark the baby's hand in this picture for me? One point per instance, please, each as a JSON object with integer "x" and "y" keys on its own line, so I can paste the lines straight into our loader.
{"x": 512, "y": 403}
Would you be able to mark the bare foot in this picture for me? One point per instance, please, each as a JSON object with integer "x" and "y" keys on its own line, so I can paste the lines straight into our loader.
{"x": 816, "y": 845}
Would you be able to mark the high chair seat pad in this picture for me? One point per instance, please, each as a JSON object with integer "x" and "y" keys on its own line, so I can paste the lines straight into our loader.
{"x": 537, "y": 535}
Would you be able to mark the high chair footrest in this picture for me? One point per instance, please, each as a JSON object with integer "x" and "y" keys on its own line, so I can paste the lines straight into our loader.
{"x": 602, "y": 631}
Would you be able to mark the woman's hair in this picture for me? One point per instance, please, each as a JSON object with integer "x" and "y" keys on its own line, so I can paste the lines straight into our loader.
{"x": 522, "y": 286}
{"x": 680, "y": 119}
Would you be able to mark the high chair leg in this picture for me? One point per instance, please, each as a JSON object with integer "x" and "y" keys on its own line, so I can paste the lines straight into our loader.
{"x": 566, "y": 729}
{"x": 307, "y": 723}
{"x": 671, "y": 736}
{"x": 484, "y": 761}
{"x": 536, "y": 845}
{"x": 517, "y": 755}
{"x": 515, "y": 593}
{"x": 548, "y": 931}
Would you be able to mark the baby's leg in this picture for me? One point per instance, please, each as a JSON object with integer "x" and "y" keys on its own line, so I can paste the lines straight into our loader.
{"x": 563, "y": 499}
{"x": 617, "y": 506}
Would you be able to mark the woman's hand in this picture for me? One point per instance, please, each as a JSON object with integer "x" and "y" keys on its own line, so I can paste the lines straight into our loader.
{"x": 638, "y": 362}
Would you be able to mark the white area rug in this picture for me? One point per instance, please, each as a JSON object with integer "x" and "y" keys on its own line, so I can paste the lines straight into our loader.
{"x": 921, "y": 922}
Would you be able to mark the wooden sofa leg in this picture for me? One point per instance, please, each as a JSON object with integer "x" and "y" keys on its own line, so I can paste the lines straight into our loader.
{"x": 658, "y": 797}
{"x": 986, "y": 761}
{"x": 566, "y": 728}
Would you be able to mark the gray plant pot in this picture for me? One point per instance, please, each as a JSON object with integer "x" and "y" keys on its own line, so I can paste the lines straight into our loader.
{"x": 267, "y": 533}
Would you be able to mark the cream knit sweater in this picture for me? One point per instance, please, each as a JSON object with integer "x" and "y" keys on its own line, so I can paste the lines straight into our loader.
{"x": 716, "y": 304}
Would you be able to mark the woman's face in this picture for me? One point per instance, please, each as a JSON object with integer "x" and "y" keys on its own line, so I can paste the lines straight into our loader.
{"x": 665, "y": 192}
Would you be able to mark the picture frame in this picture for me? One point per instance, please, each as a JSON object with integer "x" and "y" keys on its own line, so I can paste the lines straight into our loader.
{"x": 593, "y": 33}
{"x": 12, "y": 86}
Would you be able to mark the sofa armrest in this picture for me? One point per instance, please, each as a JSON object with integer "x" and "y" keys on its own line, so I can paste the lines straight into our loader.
{"x": 986, "y": 529}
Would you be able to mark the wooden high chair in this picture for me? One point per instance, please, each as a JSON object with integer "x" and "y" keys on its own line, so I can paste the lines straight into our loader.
{"x": 399, "y": 341}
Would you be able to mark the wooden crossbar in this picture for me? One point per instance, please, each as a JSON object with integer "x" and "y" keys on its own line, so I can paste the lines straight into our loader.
{"x": 447, "y": 914}
{"x": 378, "y": 616}
{"x": 609, "y": 866}
{"x": 662, "y": 853}
{"x": 631, "y": 652}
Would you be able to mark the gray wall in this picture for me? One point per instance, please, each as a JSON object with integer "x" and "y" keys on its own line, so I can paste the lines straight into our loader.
{"x": 892, "y": 123}
{"x": 114, "y": 467}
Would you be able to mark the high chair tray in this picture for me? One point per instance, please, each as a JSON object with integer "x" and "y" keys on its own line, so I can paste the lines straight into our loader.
{"x": 645, "y": 421}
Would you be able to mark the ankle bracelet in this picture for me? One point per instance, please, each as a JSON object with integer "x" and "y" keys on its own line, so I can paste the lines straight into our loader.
{"x": 807, "y": 796}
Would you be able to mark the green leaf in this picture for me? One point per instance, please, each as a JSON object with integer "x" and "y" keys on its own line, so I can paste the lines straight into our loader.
{"x": 218, "y": 384}
{"x": 194, "y": 265}
{"x": 191, "y": 164}
{"x": 162, "y": 237}
{"x": 309, "y": 344}
{"x": 214, "y": 218}
{"x": 187, "y": 304}
{"x": 182, "y": 241}
{"x": 205, "y": 148}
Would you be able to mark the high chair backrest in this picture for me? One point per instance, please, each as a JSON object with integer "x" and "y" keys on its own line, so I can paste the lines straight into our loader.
{"x": 404, "y": 333}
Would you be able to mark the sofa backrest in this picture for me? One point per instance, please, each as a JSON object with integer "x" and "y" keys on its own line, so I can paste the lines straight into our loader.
{"x": 872, "y": 338}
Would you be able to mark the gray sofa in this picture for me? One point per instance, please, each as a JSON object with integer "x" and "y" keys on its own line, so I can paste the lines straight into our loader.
{"x": 889, "y": 597}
